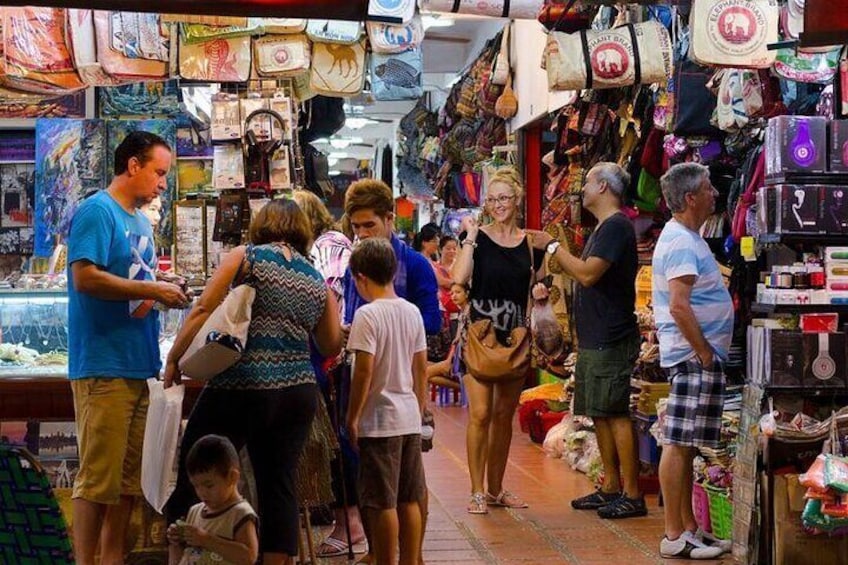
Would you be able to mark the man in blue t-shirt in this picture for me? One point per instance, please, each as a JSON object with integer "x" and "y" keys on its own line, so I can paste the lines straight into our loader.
{"x": 608, "y": 335}
{"x": 694, "y": 317}
{"x": 114, "y": 341}
{"x": 369, "y": 206}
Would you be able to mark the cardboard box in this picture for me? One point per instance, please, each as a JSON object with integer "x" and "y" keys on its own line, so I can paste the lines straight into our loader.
{"x": 833, "y": 209}
{"x": 798, "y": 208}
{"x": 792, "y": 545}
{"x": 787, "y": 358}
{"x": 819, "y": 323}
{"x": 835, "y": 254}
{"x": 837, "y": 146}
{"x": 767, "y": 209}
{"x": 796, "y": 144}
{"x": 824, "y": 360}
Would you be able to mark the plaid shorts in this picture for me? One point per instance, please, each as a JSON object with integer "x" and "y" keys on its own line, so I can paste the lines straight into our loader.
{"x": 695, "y": 405}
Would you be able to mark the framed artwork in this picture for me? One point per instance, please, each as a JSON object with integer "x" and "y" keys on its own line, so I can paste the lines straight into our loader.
{"x": 17, "y": 184}
{"x": 139, "y": 99}
{"x": 194, "y": 176}
{"x": 70, "y": 164}
{"x": 194, "y": 141}
{"x": 189, "y": 249}
{"x": 117, "y": 130}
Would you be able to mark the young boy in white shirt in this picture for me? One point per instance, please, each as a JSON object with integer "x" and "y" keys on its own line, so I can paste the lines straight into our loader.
{"x": 387, "y": 399}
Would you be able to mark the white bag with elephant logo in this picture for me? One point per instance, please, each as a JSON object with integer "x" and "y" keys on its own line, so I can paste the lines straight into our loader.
{"x": 389, "y": 38}
{"x": 334, "y": 31}
{"x": 338, "y": 70}
{"x": 622, "y": 56}
{"x": 734, "y": 33}
{"x": 281, "y": 55}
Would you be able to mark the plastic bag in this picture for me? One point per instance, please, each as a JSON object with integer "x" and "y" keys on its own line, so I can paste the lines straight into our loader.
{"x": 554, "y": 444}
{"x": 161, "y": 440}
{"x": 547, "y": 335}
{"x": 814, "y": 477}
{"x": 836, "y": 473}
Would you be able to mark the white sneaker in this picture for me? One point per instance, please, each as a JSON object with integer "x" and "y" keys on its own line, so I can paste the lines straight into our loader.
{"x": 687, "y": 546}
{"x": 709, "y": 539}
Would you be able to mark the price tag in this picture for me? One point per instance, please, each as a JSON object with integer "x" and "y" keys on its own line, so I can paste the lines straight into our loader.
{"x": 747, "y": 248}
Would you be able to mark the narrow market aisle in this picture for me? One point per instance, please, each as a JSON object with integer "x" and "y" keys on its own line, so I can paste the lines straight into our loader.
{"x": 548, "y": 532}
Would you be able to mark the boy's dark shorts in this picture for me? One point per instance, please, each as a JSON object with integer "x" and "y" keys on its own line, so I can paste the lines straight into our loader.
{"x": 390, "y": 471}
{"x": 602, "y": 379}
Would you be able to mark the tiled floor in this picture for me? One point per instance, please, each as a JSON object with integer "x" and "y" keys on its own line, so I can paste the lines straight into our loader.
{"x": 547, "y": 532}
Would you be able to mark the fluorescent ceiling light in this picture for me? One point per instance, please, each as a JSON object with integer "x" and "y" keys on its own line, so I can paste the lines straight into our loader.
{"x": 429, "y": 21}
{"x": 332, "y": 161}
{"x": 359, "y": 123}
{"x": 336, "y": 155}
{"x": 334, "y": 173}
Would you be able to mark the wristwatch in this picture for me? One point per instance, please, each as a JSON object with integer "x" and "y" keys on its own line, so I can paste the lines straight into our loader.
{"x": 552, "y": 247}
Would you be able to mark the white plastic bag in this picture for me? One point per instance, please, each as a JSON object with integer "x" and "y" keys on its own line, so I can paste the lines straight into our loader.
{"x": 161, "y": 441}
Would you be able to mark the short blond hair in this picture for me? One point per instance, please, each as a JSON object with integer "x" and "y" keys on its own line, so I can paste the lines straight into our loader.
{"x": 509, "y": 176}
{"x": 315, "y": 210}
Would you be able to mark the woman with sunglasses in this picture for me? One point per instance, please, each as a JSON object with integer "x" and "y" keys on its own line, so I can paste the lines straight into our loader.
{"x": 496, "y": 260}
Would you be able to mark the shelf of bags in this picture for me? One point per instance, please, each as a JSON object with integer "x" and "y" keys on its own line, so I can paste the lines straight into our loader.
{"x": 807, "y": 238}
{"x": 759, "y": 308}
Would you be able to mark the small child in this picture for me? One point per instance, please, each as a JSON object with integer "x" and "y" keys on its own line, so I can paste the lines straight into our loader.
{"x": 222, "y": 528}
{"x": 386, "y": 403}
{"x": 448, "y": 373}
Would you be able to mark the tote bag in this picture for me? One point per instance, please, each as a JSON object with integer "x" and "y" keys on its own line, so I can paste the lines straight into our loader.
{"x": 734, "y": 33}
{"x": 161, "y": 439}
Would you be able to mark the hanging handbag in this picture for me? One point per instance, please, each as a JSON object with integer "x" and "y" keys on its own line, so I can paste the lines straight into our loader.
{"x": 338, "y": 70}
{"x": 500, "y": 73}
{"x": 622, "y": 56}
{"x": 566, "y": 15}
{"x": 280, "y": 56}
{"x": 332, "y": 31}
{"x": 219, "y": 60}
{"x": 389, "y": 38}
{"x": 222, "y": 339}
{"x": 391, "y": 10}
{"x": 513, "y": 9}
{"x": 284, "y": 25}
{"x": 734, "y": 33}
{"x": 487, "y": 359}
{"x": 397, "y": 76}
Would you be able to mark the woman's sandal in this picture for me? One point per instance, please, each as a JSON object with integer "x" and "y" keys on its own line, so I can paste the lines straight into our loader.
{"x": 334, "y": 547}
{"x": 506, "y": 499}
{"x": 477, "y": 505}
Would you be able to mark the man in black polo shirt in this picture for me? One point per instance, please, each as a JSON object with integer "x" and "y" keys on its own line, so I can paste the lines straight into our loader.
{"x": 608, "y": 337}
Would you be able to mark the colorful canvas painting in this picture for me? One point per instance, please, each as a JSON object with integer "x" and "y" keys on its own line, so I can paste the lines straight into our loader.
{"x": 194, "y": 176}
{"x": 17, "y": 183}
{"x": 140, "y": 99}
{"x": 167, "y": 130}
{"x": 70, "y": 164}
{"x": 194, "y": 140}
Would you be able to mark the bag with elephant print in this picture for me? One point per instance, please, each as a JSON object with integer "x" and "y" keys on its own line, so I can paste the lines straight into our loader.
{"x": 338, "y": 70}
{"x": 622, "y": 56}
{"x": 281, "y": 55}
{"x": 334, "y": 31}
{"x": 388, "y": 38}
{"x": 397, "y": 77}
{"x": 734, "y": 33}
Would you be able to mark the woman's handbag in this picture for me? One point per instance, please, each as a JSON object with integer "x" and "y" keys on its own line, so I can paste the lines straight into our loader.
{"x": 222, "y": 339}
{"x": 487, "y": 359}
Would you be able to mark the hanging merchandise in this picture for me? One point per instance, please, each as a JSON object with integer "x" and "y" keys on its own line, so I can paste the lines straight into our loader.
{"x": 218, "y": 60}
{"x": 226, "y": 122}
{"x": 283, "y": 25}
{"x": 567, "y": 15}
{"x": 260, "y": 148}
{"x": 388, "y": 38}
{"x": 280, "y": 56}
{"x": 514, "y": 9}
{"x": 507, "y": 105}
{"x": 402, "y": 10}
{"x": 114, "y": 61}
{"x": 302, "y": 89}
{"x": 249, "y": 105}
{"x": 630, "y": 54}
{"x": 694, "y": 102}
{"x": 734, "y": 33}
{"x": 83, "y": 45}
{"x": 228, "y": 167}
{"x": 739, "y": 96}
{"x": 333, "y": 31}
{"x": 501, "y": 69}
{"x": 35, "y": 56}
{"x": 338, "y": 69}
{"x": 207, "y": 20}
{"x": 397, "y": 77}
{"x": 816, "y": 68}
{"x": 199, "y": 33}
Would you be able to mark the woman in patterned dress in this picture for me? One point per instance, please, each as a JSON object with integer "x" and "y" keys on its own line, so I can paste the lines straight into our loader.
{"x": 267, "y": 400}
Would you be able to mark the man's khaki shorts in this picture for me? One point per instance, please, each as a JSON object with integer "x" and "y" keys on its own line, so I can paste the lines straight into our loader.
{"x": 110, "y": 418}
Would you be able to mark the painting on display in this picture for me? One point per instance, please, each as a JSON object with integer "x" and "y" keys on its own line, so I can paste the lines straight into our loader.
{"x": 167, "y": 130}
{"x": 194, "y": 176}
{"x": 17, "y": 186}
{"x": 15, "y": 105}
{"x": 140, "y": 99}
{"x": 17, "y": 145}
{"x": 194, "y": 140}
{"x": 70, "y": 164}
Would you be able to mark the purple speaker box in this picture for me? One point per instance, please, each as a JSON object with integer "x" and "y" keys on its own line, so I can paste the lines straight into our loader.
{"x": 824, "y": 360}
{"x": 833, "y": 209}
{"x": 837, "y": 158}
{"x": 796, "y": 144}
{"x": 787, "y": 358}
{"x": 798, "y": 208}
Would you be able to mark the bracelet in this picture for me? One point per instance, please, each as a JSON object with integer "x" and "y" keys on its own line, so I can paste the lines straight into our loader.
{"x": 470, "y": 242}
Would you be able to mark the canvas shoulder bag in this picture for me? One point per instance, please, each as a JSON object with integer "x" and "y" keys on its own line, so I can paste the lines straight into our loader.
{"x": 487, "y": 359}
{"x": 734, "y": 33}
{"x": 222, "y": 339}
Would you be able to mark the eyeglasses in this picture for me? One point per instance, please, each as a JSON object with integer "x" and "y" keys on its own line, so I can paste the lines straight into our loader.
{"x": 502, "y": 199}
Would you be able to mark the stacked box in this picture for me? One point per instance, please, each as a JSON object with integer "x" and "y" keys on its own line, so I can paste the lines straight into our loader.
{"x": 838, "y": 146}
{"x": 797, "y": 208}
{"x": 796, "y": 144}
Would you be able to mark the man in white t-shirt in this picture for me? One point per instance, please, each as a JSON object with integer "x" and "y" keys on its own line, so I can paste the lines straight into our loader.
{"x": 387, "y": 399}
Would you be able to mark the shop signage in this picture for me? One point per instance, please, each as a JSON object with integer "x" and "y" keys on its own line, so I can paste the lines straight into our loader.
{"x": 825, "y": 23}
{"x": 354, "y": 10}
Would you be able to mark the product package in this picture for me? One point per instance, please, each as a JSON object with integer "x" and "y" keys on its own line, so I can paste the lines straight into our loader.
{"x": 787, "y": 358}
{"x": 833, "y": 209}
{"x": 228, "y": 168}
{"x": 837, "y": 161}
{"x": 824, "y": 360}
{"x": 796, "y": 144}
{"x": 798, "y": 208}
{"x": 226, "y": 120}
{"x": 260, "y": 128}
